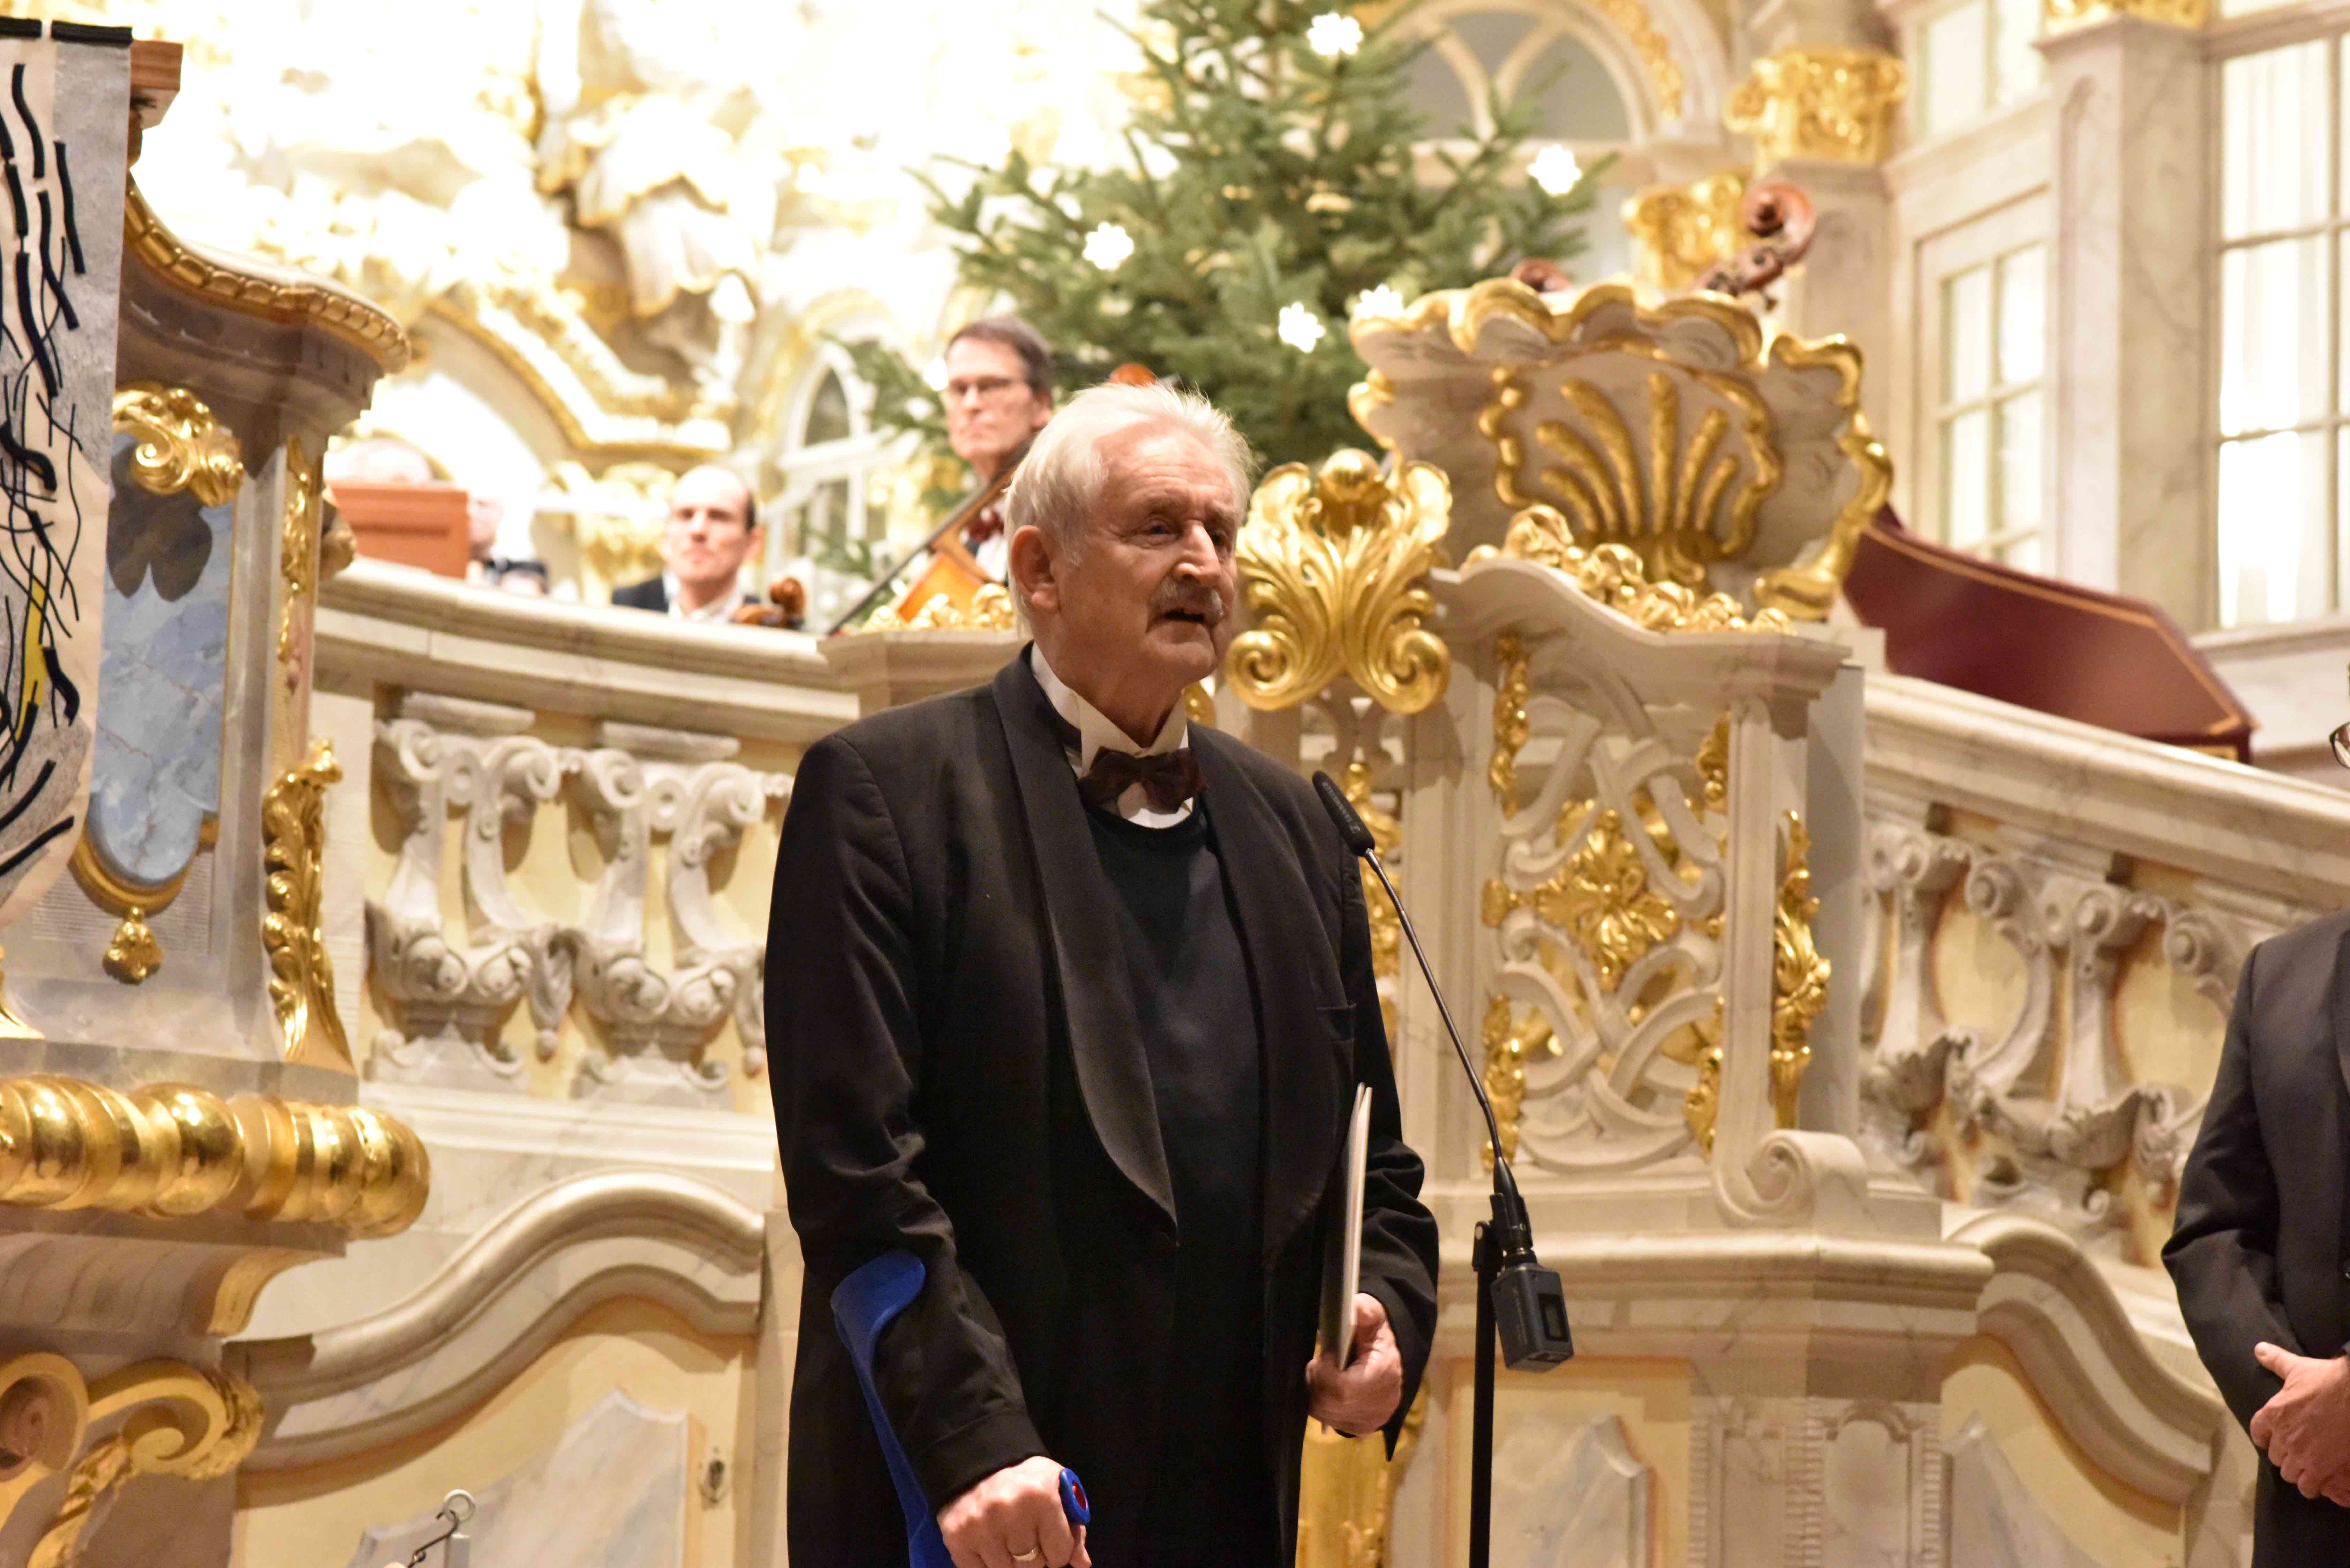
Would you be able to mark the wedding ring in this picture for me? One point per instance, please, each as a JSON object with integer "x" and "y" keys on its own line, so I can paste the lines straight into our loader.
{"x": 1030, "y": 1555}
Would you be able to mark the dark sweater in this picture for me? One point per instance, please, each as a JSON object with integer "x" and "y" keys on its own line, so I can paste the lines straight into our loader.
{"x": 1211, "y": 1500}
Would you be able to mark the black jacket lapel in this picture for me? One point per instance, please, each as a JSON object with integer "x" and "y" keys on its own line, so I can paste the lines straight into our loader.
{"x": 1302, "y": 1005}
{"x": 1105, "y": 1043}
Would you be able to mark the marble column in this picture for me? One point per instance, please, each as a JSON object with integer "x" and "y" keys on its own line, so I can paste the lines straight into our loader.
{"x": 2131, "y": 282}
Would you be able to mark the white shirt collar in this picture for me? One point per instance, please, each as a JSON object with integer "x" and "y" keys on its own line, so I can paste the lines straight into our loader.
{"x": 720, "y": 608}
{"x": 1097, "y": 732}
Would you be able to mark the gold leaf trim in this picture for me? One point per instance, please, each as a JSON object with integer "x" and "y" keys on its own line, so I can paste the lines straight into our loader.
{"x": 1613, "y": 575}
{"x": 1333, "y": 567}
{"x": 193, "y": 1422}
{"x": 173, "y": 1151}
{"x": 298, "y": 559}
{"x": 1656, "y": 51}
{"x": 990, "y": 610}
{"x": 1508, "y": 1046}
{"x": 363, "y": 324}
{"x": 2063, "y": 15}
{"x": 301, "y": 975}
{"x": 1799, "y": 973}
{"x": 179, "y": 445}
{"x": 1510, "y": 726}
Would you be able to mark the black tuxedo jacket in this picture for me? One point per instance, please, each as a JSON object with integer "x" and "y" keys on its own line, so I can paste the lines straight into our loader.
{"x": 957, "y": 1070}
{"x": 652, "y": 594}
{"x": 2259, "y": 1253}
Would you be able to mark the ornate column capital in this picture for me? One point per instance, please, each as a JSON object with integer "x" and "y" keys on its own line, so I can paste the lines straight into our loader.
{"x": 1831, "y": 104}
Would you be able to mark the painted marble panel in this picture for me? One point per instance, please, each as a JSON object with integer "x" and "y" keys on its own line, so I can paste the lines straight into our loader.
{"x": 611, "y": 1493}
{"x": 1994, "y": 1522}
{"x": 64, "y": 114}
{"x": 156, "y": 779}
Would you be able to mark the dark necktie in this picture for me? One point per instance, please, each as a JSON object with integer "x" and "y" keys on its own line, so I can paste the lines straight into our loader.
{"x": 1168, "y": 779}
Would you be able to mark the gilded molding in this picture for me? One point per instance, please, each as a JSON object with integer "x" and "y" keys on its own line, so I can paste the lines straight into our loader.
{"x": 1510, "y": 726}
{"x": 1702, "y": 1109}
{"x": 301, "y": 975}
{"x": 1832, "y": 104}
{"x": 1333, "y": 567}
{"x": 1386, "y": 929}
{"x": 172, "y": 1151}
{"x": 990, "y": 610}
{"x": 192, "y": 1422}
{"x": 1799, "y": 973}
{"x": 295, "y": 300}
{"x": 298, "y": 559}
{"x": 1614, "y": 576}
{"x": 1682, "y": 232}
{"x": 1656, "y": 51}
{"x": 133, "y": 953}
{"x": 2063, "y": 15}
{"x": 1508, "y": 1045}
{"x": 179, "y": 445}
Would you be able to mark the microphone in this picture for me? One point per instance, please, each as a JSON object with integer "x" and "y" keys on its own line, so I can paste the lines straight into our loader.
{"x": 1528, "y": 1299}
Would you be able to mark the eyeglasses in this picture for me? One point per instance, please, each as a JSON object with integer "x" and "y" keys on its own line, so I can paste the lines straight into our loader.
{"x": 986, "y": 388}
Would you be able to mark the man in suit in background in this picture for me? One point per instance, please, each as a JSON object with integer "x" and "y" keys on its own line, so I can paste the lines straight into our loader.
{"x": 1070, "y": 999}
{"x": 712, "y": 528}
{"x": 998, "y": 395}
{"x": 2262, "y": 1250}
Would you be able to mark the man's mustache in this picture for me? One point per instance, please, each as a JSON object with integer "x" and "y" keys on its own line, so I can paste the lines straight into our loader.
{"x": 1188, "y": 598}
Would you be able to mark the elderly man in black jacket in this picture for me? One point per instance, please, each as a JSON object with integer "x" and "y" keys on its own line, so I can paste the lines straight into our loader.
{"x": 2261, "y": 1252}
{"x": 1071, "y": 998}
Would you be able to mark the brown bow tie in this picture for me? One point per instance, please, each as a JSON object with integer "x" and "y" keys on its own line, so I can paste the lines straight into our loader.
{"x": 987, "y": 525}
{"x": 1168, "y": 779}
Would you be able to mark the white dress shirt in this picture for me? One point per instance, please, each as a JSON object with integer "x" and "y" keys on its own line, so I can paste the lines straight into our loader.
{"x": 1096, "y": 734}
{"x": 720, "y": 608}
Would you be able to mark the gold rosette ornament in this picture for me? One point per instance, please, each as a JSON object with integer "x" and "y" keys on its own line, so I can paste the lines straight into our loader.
{"x": 1334, "y": 569}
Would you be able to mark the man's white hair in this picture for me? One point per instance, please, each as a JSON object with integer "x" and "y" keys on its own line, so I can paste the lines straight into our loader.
{"x": 1058, "y": 485}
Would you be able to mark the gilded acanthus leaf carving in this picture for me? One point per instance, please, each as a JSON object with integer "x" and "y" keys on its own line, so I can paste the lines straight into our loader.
{"x": 1601, "y": 899}
{"x": 1333, "y": 567}
{"x": 301, "y": 975}
{"x": 1616, "y": 577}
{"x": 1799, "y": 973}
{"x": 179, "y": 445}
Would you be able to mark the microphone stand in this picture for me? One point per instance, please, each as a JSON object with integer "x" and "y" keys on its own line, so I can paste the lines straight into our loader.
{"x": 1519, "y": 1303}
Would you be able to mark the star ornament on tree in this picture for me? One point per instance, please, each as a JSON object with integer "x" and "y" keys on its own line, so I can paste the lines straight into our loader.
{"x": 1333, "y": 34}
{"x": 1107, "y": 247}
{"x": 1300, "y": 329}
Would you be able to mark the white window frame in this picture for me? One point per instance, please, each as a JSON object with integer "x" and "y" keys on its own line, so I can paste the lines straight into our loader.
{"x": 2259, "y": 31}
{"x": 1914, "y": 24}
{"x": 1980, "y": 242}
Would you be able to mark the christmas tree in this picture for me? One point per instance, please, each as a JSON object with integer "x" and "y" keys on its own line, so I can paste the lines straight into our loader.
{"x": 1276, "y": 176}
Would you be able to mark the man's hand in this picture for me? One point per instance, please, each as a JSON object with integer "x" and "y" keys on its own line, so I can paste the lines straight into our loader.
{"x": 1359, "y": 1397}
{"x": 1014, "y": 1520}
{"x": 2305, "y": 1428}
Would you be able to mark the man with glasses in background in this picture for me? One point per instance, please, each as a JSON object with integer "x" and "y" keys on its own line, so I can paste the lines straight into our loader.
{"x": 998, "y": 395}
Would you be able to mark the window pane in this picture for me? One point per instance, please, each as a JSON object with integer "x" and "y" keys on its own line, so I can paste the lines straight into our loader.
{"x": 2274, "y": 547}
{"x": 2022, "y": 320}
{"x": 2018, "y": 462}
{"x": 2016, "y": 66}
{"x": 2272, "y": 370}
{"x": 1954, "y": 86}
{"x": 1965, "y": 334}
{"x": 1491, "y": 35}
{"x": 828, "y": 412}
{"x": 2273, "y": 134}
{"x": 1966, "y": 479}
{"x": 2023, "y": 555}
{"x": 1438, "y": 92}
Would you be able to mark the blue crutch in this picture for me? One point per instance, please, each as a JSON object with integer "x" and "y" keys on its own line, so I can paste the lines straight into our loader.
{"x": 863, "y": 1305}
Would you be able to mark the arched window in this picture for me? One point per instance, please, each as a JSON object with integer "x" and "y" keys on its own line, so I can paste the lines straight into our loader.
{"x": 1481, "y": 47}
{"x": 828, "y": 532}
